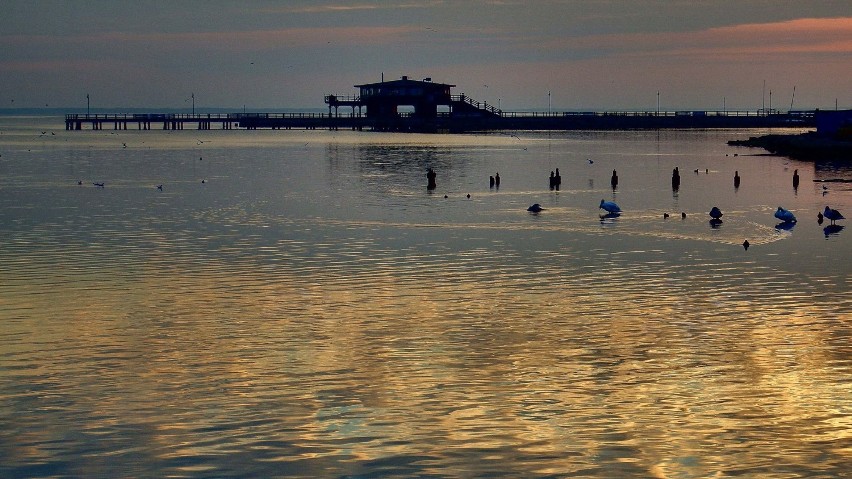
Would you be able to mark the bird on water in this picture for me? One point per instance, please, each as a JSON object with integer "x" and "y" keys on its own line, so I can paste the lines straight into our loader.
{"x": 785, "y": 215}
{"x": 832, "y": 214}
{"x": 715, "y": 213}
{"x": 535, "y": 208}
{"x": 610, "y": 207}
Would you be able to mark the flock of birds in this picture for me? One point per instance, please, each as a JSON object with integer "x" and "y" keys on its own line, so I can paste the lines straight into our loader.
{"x": 786, "y": 216}
{"x": 788, "y": 219}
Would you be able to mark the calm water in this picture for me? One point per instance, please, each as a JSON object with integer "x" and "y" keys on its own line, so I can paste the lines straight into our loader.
{"x": 310, "y": 310}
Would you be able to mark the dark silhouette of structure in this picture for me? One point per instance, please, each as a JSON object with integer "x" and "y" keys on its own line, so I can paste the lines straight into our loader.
{"x": 427, "y": 100}
{"x": 430, "y": 179}
{"x": 427, "y": 106}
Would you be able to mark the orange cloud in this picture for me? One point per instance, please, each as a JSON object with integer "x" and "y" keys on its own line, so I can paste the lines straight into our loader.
{"x": 807, "y": 35}
{"x": 334, "y": 8}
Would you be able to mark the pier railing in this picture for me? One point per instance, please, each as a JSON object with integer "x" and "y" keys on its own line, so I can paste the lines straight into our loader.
{"x": 449, "y": 120}
{"x": 638, "y": 113}
{"x": 476, "y": 104}
{"x": 189, "y": 117}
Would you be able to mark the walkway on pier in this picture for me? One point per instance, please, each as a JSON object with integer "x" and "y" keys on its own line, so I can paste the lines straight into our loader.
{"x": 448, "y": 122}
{"x": 170, "y": 121}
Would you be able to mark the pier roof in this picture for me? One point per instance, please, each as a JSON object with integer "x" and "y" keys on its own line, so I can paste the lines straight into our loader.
{"x": 405, "y": 82}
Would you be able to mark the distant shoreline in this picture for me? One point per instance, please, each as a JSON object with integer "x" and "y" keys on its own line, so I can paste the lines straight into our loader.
{"x": 805, "y": 146}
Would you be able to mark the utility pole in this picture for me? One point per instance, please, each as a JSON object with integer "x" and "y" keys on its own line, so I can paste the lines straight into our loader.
{"x": 87, "y": 104}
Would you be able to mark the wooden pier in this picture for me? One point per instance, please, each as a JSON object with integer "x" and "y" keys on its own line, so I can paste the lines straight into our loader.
{"x": 204, "y": 121}
{"x": 385, "y": 106}
{"x": 445, "y": 122}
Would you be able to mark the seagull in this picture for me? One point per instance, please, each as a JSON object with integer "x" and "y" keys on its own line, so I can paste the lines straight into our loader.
{"x": 819, "y": 218}
{"x": 746, "y": 244}
{"x": 535, "y": 208}
{"x": 665, "y": 215}
{"x": 590, "y": 160}
{"x": 785, "y": 215}
{"x": 99, "y": 185}
{"x": 832, "y": 214}
{"x": 610, "y": 207}
{"x": 715, "y": 213}
{"x": 160, "y": 187}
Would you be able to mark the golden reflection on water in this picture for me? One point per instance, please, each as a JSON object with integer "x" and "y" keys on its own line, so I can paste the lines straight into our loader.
{"x": 617, "y": 388}
{"x": 247, "y": 336}
{"x": 422, "y": 356}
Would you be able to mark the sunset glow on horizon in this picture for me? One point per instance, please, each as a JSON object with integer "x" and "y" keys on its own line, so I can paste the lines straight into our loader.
{"x": 590, "y": 55}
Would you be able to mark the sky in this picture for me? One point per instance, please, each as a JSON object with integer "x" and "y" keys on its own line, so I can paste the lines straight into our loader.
{"x": 518, "y": 55}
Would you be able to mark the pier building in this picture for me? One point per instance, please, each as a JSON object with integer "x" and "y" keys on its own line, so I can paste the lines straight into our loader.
{"x": 425, "y": 101}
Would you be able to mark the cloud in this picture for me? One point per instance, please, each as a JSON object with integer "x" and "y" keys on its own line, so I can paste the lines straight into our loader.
{"x": 235, "y": 41}
{"x": 345, "y": 8}
{"x": 803, "y": 36}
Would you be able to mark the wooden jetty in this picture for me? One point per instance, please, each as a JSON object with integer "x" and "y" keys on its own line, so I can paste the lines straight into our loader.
{"x": 203, "y": 121}
{"x": 426, "y": 106}
{"x": 446, "y": 122}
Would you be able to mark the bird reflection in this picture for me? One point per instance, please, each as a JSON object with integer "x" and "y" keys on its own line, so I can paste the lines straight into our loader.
{"x": 832, "y": 230}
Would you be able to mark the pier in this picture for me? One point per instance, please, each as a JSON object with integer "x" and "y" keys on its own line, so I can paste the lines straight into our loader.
{"x": 445, "y": 122}
{"x": 204, "y": 121}
{"x": 408, "y": 105}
